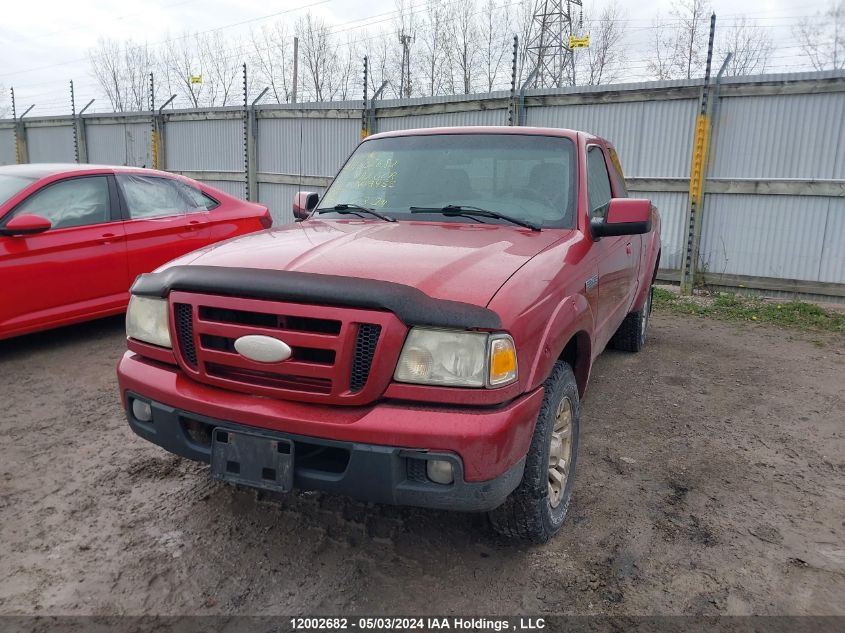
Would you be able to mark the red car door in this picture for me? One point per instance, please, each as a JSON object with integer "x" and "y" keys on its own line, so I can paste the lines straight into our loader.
{"x": 615, "y": 254}
{"x": 161, "y": 222}
{"x": 75, "y": 269}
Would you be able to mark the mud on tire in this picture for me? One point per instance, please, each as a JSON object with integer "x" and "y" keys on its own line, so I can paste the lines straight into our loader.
{"x": 631, "y": 335}
{"x": 533, "y": 512}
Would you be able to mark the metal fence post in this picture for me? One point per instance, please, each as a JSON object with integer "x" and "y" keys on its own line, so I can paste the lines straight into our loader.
{"x": 81, "y": 135}
{"x": 21, "y": 149}
{"x": 157, "y": 138}
{"x": 700, "y": 147}
{"x": 252, "y": 148}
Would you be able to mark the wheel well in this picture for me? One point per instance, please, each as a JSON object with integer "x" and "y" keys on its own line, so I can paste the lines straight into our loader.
{"x": 576, "y": 354}
{"x": 656, "y": 267}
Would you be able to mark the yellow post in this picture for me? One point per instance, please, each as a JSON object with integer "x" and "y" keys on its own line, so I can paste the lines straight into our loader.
{"x": 154, "y": 148}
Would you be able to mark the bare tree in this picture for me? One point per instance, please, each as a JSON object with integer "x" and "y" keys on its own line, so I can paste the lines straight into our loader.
{"x": 749, "y": 45}
{"x": 122, "y": 71}
{"x": 680, "y": 45}
{"x": 317, "y": 49}
{"x": 822, "y": 38}
{"x": 182, "y": 61}
{"x": 383, "y": 63}
{"x": 525, "y": 24}
{"x": 660, "y": 61}
{"x": 432, "y": 51}
{"x": 603, "y": 61}
{"x": 221, "y": 63}
{"x": 343, "y": 77}
{"x": 494, "y": 42}
{"x": 272, "y": 58}
{"x": 5, "y": 102}
{"x": 464, "y": 45}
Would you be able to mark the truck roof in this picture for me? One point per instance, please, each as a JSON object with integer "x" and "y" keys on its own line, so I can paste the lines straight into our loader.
{"x": 486, "y": 129}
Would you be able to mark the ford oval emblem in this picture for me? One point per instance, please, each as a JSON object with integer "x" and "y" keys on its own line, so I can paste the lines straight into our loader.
{"x": 262, "y": 349}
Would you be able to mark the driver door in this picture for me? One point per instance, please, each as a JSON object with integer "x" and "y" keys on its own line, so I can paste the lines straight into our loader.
{"x": 76, "y": 268}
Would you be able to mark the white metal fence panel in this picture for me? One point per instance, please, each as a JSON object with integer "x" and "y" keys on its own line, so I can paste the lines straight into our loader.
{"x": 833, "y": 248}
{"x": 672, "y": 207}
{"x": 312, "y": 147}
{"x": 212, "y": 145}
{"x": 780, "y": 136}
{"x": 7, "y": 146}
{"x": 120, "y": 144}
{"x": 387, "y": 123}
{"x": 233, "y": 188}
{"x": 764, "y": 236}
{"x": 50, "y": 144}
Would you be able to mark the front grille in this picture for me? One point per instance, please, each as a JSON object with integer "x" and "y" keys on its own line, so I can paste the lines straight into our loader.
{"x": 185, "y": 332}
{"x": 365, "y": 349}
{"x": 336, "y": 353}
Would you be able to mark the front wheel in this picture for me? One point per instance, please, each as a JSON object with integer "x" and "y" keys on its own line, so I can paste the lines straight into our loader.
{"x": 536, "y": 509}
{"x": 631, "y": 335}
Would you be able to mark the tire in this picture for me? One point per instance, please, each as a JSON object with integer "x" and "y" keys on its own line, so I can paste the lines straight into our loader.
{"x": 535, "y": 510}
{"x": 631, "y": 335}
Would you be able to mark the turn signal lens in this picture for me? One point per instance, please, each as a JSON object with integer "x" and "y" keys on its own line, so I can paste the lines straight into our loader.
{"x": 502, "y": 360}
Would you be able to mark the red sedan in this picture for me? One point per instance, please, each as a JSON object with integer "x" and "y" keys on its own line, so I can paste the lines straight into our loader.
{"x": 74, "y": 237}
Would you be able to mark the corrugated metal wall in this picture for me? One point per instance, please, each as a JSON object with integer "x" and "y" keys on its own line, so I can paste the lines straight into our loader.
{"x": 216, "y": 145}
{"x": 325, "y": 144}
{"x": 233, "y": 188}
{"x": 50, "y": 144}
{"x": 7, "y": 146}
{"x": 773, "y": 128}
{"x": 119, "y": 144}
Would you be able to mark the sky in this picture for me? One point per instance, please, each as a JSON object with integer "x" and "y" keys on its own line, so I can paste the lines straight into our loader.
{"x": 44, "y": 43}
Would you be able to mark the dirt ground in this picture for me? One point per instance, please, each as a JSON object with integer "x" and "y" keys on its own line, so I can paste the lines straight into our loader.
{"x": 711, "y": 480}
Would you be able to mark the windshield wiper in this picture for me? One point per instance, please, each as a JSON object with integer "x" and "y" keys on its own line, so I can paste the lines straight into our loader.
{"x": 454, "y": 210}
{"x": 355, "y": 208}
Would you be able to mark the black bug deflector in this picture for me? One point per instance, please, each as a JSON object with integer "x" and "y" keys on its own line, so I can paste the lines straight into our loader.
{"x": 410, "y": 305}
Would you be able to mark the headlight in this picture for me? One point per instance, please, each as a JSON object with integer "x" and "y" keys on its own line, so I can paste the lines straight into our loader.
{"x": 457, "y": 359}
{"x": 146, "y": 320}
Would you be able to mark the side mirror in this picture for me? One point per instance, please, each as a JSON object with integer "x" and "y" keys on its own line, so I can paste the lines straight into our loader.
{"x": 625, "y": 216}
{"x": 304, "y": 203}
{"x": 26, "y": 224}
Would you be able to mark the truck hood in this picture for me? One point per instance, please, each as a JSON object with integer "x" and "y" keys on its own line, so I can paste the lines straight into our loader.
{"x": 454, "y": 261}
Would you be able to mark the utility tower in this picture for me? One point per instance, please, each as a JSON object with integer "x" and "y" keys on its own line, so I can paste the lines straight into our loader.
{"x": 405, "y": 81}
{"x": 548, "y": 47}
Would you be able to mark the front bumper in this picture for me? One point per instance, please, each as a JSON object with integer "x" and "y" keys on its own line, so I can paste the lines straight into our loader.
{"x": 487, "y": 446}
{"x": 370, "y": 472}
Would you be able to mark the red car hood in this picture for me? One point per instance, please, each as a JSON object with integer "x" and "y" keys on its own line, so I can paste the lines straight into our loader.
{"x": 456, "y": 261}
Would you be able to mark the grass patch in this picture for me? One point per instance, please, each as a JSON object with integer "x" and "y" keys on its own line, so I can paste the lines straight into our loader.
{"x": 730, "y": 307}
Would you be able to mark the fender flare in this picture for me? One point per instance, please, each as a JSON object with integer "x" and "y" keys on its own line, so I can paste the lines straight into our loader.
{"x": 573, "y": 318}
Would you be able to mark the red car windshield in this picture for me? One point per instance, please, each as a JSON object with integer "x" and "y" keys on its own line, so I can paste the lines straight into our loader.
{"x": 528, "y": 177}
{"x": 10, "y": 185}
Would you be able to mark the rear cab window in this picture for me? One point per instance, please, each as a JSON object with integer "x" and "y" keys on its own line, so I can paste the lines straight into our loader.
{"x": 598, "y": 182}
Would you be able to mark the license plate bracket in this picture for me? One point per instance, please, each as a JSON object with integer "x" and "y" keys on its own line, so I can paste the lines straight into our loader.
{"x": 252, "y": 459}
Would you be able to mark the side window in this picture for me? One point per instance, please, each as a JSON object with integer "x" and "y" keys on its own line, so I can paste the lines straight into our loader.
{"x": 73, "y": 202}
{"x": 598, "y": 183}
{"x": 199, "y": 200}
{"x": 153, "y": 197}
{"x": 618, "y": 175}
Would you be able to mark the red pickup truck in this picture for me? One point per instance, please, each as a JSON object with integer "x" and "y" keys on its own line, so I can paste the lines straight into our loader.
{"x": 422, "y": 335}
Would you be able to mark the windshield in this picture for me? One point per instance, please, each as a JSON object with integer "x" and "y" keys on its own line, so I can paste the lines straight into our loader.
{"x": 10, "y": 185}
{"x": 523, "y": 176}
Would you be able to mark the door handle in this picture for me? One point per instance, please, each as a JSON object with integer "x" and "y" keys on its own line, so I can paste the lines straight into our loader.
{"x": 107, "y": 238}
{"x": 628, "y": 249}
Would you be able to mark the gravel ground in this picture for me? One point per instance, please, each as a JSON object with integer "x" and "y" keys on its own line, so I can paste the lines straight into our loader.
{"x": 711, "y": 480}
